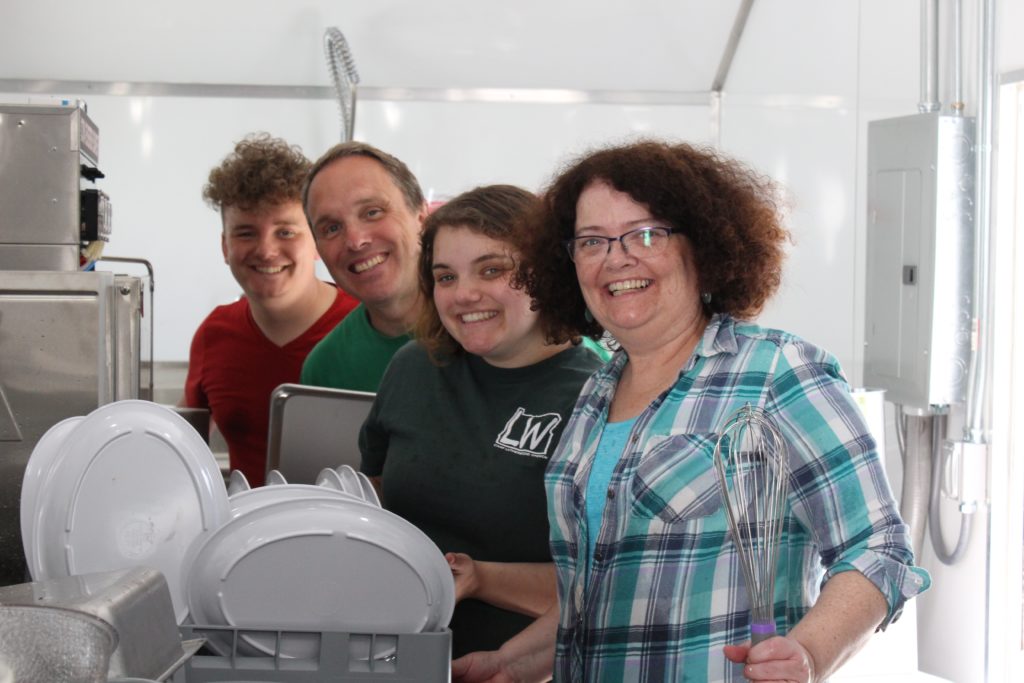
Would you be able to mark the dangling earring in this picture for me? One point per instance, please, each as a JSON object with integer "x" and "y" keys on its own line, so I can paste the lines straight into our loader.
{"x": 587, "y": 315}
{"x": 706, "y": 298}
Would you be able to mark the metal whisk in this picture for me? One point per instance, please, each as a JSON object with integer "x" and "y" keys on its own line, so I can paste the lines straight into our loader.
{"x": 751, "y": 463}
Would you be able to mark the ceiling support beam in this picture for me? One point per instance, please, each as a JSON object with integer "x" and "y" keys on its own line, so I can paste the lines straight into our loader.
{"x": 730, "y": 47}
{"x": 385, "y": 94}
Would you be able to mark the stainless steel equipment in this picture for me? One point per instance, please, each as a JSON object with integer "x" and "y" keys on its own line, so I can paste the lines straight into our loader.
{"x": 135, "y": 602}
{"x": 297, "y": 445}
{"x": 342, "y": 67}
{"x": 47, "y": 170}
{"x": 70, "y": 344}
{"x": 70, "y": 340}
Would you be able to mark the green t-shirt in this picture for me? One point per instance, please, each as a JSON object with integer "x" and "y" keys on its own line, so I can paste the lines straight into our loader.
{"x": 461, "y": 449}
{"x": 352, "y": 356}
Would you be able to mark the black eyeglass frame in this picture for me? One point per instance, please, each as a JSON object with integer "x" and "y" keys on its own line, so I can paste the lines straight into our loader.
{"x": 569, "y": 244}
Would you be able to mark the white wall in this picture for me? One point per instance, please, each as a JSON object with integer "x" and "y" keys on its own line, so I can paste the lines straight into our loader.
{"x": 157, "y": 151}
{"x": 792, "y": 117}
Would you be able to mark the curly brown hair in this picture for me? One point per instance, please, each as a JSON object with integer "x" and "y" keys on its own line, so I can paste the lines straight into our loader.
{"x": 497, "y": 211}
{"x": 729, "y": 213}
{"x": 262, "y": 170}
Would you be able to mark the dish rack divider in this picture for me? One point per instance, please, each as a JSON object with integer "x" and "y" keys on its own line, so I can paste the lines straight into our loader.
{"x": 417, "y": 658}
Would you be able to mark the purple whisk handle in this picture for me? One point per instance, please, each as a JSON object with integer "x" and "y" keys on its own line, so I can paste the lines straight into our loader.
{"x": 761, "y": 631}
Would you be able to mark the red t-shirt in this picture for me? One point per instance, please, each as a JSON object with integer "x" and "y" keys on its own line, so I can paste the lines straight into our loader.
{"x": 233, "y": 368}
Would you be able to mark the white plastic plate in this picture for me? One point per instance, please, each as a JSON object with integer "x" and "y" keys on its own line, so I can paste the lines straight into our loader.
{"x": 369, "y": 492}
{"x": 237, "y": 483}
{"x": 330, "y": 479}
{"x": 274, "y": 478}
{"x": 324, "y": 563}
{"x": 40, "y": 467}
{"x": 349, "y": 480}
{"x": 247, "y": 501}
{"x": 135, "y": 486}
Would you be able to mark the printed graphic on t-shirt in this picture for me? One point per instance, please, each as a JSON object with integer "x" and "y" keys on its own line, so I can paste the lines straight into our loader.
{"x": 531, "y": 435}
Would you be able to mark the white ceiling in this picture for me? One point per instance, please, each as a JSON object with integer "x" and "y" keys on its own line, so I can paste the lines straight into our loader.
{"x": 660, "y": 45}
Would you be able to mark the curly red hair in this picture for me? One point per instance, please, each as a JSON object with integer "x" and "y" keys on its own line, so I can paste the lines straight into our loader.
{"x": 729, "y": 213}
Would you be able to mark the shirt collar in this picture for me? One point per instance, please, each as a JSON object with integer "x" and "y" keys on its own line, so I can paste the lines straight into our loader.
{"x": 719, "y": 336}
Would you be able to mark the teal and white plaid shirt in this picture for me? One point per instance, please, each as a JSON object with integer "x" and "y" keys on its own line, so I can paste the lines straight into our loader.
{"x": 665, "y": 590}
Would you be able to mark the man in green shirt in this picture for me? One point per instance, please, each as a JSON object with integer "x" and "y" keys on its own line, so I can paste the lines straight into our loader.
{"x": 366, "y": 209}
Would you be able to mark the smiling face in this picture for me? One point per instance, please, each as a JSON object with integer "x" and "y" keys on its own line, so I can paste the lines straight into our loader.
{"x": 270, "y": 252}
{"x": 643, "y": 301}
{"x": 366, "y": 234}
{"x": 475, "y": 303}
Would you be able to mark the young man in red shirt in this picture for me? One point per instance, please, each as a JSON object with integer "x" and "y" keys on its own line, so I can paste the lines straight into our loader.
{"x": 243, "y": 350}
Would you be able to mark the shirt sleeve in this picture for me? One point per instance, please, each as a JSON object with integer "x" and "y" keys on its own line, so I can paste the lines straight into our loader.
{"x": 839, "y": 486}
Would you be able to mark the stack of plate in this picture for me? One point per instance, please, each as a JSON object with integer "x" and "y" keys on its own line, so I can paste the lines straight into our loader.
{"x": 344, "y": 478}
{"x": 132, "y": 484}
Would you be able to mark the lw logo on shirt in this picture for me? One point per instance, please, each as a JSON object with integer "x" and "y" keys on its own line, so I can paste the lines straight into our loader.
{"x": 531, "y": 435}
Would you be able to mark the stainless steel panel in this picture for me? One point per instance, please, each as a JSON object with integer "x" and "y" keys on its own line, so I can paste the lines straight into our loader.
{"x": 919, "y": 256}
{"x": 39, "y": 256}
{"x": 49, "y": 324}
{"x": 314, "y": 427}
{"x": 125, "y": 335}
{"x": 57, "y": 361}
{"x": 145, "y": 306}
{"x": 43, "y": 148}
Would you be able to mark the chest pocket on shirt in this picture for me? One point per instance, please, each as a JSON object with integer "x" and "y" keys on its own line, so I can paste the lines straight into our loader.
{"x": 676, "y": 479}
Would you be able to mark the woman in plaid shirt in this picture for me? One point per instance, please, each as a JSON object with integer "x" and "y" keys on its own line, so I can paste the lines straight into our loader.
{"x": 673, "y": 250}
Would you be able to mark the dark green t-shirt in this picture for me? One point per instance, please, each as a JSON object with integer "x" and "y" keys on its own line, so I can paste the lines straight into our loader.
{"x": 462, "y": 450}
{"x": 352, "y": 356}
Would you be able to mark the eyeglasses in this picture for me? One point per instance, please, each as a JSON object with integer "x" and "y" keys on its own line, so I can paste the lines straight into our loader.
{"x": 640, "y": 242}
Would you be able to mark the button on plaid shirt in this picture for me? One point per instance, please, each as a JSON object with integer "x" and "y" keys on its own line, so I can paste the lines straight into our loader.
{"x": 665, "y": 590}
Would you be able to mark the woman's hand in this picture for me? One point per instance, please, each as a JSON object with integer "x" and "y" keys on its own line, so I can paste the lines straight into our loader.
{"x": 480, "y": 667}
{"x": 528, "y": 657}
{"x": 841, "y": 621}
{"x": 776, "y": 659}
{"x": 467, "y": 582}
{"x": 500, "y": 666}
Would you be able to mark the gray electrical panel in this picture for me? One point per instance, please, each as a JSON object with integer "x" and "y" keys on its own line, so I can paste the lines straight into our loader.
{"x": 919, "y": 258}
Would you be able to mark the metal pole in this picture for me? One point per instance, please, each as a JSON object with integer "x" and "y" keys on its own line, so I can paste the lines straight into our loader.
{"x": 152, "y": 305}
{"x": 929, "y": 56}
{"x": 738, "y": 25}
{"x": 975, "y": 426}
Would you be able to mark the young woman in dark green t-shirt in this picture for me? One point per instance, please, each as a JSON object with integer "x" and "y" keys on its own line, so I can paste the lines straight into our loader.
{"x": 467, "y": 416}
